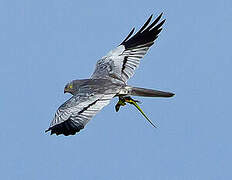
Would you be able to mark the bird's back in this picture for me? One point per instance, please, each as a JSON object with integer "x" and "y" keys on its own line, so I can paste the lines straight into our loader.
{"x": 101, "y": 86}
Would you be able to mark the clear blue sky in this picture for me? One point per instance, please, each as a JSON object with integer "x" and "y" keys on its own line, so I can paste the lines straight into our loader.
{"x": 45, "y": 44}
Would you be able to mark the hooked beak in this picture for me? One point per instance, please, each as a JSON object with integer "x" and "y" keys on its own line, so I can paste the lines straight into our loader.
{"x": 65, "y": 89}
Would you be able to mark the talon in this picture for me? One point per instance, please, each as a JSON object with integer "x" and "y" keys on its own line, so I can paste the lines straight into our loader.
{"x": 121, "y": 102}
{"x": 128, "y": 99}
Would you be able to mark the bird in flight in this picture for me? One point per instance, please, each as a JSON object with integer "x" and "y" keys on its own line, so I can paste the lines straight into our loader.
{"x": 108, "y": 80}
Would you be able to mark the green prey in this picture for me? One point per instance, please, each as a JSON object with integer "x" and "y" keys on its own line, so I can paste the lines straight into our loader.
{"x": 127, "y": 99}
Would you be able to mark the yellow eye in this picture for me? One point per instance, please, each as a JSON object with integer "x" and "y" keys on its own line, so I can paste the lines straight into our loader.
{"x": 70, "y": 86}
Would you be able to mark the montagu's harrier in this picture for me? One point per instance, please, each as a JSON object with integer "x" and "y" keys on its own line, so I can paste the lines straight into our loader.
{"x": 108, "y": 80}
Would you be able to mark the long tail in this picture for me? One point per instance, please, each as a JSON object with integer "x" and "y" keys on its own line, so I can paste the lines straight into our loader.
{"x": 135, "y": 91}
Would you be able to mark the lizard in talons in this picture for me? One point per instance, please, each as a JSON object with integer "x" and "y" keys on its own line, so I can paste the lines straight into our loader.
{"x": 127, "y": 99}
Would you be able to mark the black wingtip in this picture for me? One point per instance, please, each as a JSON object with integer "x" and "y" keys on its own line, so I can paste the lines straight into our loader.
{"x": 129, "y": 35}
{"x": 161, "y": 14}
{"x": 146, "y": 35}
{"x": 66, "y": 128}
{"x": 160, "y": 24}
{"x": 145, "y": 24}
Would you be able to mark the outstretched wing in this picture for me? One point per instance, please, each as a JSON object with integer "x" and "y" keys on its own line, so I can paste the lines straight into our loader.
{"x": 121, "y": 62}
{"x": 75, "y": 113}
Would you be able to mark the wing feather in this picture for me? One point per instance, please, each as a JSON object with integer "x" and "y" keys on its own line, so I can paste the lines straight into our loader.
{"x": 121, "y": 62}
{"x": 75, "y": 113}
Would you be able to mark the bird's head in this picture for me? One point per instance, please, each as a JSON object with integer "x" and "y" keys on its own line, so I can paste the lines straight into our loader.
{"x": 72, "y": 87}
{"x": 69, "y": 88}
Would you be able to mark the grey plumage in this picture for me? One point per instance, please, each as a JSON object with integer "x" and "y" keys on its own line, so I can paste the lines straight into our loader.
{"x": 108, "y": 80}
{"x": 91, "y": 96}
{"x": 135, "y": 91}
